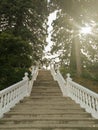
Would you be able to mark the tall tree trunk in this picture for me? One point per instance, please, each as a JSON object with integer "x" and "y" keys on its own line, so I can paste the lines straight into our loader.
{"x": 72, "y": 58}
{"x": 77, "y": 55}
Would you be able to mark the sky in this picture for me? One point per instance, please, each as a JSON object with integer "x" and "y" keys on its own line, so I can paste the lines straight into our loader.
{"x": 51, "y": 17}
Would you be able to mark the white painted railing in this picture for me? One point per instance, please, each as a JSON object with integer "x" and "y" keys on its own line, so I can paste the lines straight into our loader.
{"x": 81, "y": 95}
{"x": 53, "y": 72}
{"x": 57, "y": 76}
{"x": 13, "y": 94}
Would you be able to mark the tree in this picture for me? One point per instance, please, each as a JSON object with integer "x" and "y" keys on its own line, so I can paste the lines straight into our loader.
{"x": 23, "y": 32}
{"x": 26, "y": 19}
{"x": 15, "y": 59}
{"x": 72, "y": 15}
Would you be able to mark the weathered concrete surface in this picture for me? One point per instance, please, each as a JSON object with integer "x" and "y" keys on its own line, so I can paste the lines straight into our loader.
{"x": 47, "y": 109}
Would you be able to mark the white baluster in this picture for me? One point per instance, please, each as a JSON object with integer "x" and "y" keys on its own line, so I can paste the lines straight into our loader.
{"x": 85, "y": 97}
{"x": 80, "y": 97}
{"x": 89, "y": 103}
{"x": 13, "y": 94}
{"x": 93, "y": 104}
{"x": 94, "y": 111}
{"x": 96, "y": 114}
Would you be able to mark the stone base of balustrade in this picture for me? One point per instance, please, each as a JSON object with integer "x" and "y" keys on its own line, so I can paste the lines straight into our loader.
{"x": 95, "y": 115}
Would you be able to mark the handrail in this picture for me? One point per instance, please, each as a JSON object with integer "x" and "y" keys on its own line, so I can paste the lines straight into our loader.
{"x": 62, "y": 83}
{"x": 81, "y": 95}
{"x": 85, "y": 97}
{"x": 57, "y": 76}
{"x": 53, "y": 72}
{"x": 13, "y": 94}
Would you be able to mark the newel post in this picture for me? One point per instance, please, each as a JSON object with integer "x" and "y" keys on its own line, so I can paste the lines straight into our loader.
{"x": 26, "y": 86}
{"x": 68, "y": 77}
{"x": 26, "y": 76}
{"x": 68, "y": 83}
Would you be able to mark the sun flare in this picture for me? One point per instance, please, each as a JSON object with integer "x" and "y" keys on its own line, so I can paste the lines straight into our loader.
{"x": 86, "y": 30}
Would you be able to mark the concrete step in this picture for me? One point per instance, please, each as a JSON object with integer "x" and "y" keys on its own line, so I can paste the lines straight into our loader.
{"x": 49, "y": 102}
{"x": 48, "y": 116}
{"x": 49, "y": 128}
{"x": 47, "y": 109}
{"x": 38, "y": 111}
{"x": 46, "y": 124}
{"x": 55, "y": 98}
{"x": 48, "y": 97}
{"x": 38, "y": 97}
{"x": 47, "y": 94}
{"x": 49, "y": 122}
{"x": 45, "y": 90}
{"x": 44, "y": 84}
{"x": 26, "y": 114}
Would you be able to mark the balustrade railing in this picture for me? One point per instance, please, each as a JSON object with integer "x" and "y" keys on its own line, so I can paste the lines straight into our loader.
{"x": 53, "y": 72}
{"x": 81, "y": 95}
{"x": 57, "y": 76}
{"x": 13, "y": 94}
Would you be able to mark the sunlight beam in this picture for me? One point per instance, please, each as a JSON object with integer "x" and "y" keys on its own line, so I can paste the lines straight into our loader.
{"x": 86, "y": 30}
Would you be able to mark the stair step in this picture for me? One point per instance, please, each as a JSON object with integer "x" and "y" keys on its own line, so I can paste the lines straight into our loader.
{"x": 46, "y": 105}
{"x": 47, "y": 94}
{"x": 74, "y": 115}
{"x": 44, "y": 124}
{"x": 45, "y": 90}
{"x": 49, "y": 84}
{"x": 38, "y": 97}
{"x": 47, "y": 109}
{"x": 49, "y": 128}
{"x": 55, "y": 101}
{"x": 47, "y": 117}
{"x": 48, "y": 122}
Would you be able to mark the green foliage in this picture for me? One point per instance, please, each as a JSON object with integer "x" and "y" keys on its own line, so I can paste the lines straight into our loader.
{"x": 71, "y": 16}
{"x": 26, "y": 19}
{"x": 65, "y": 70}
{"x": 15, "y": 59}
{"x": 10, "y": 75}
{"x": 87, "y": 75}
{"x": 23, "y": 32}
{"x": 14, "y": 51}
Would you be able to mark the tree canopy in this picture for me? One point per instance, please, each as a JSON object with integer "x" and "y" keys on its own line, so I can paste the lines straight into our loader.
{"x": 76, "y": 49}
{"x": 23, "y": 31}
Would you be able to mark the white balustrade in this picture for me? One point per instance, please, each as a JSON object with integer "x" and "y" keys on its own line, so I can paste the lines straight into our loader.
{"x": 81, "y": 95}
{"x": 13, "y": 94}
{"x": 57, "y": 76}
{"x": 85, "y": 97}
{"x": 53, "y": 71}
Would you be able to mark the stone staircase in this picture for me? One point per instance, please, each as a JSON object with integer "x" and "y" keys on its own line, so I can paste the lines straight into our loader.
{"x": 46, "y": 109}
